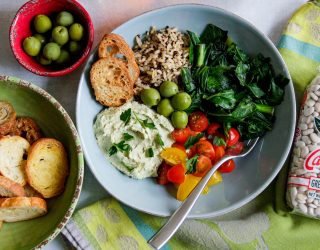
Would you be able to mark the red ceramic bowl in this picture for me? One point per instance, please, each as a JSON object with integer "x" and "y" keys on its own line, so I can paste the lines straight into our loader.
{"x": 21, "y": 28}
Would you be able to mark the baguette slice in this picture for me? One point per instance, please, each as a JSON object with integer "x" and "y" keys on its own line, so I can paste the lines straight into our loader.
{"x": 9, "y": 188}
{"x": 13, "y": 151}
{"x": 113, "y": 45}
{"x": 7, "y": 117}
{"x": 27, "y": 128}
{"x": 111, "y": 82}
{"x": 31, "y": 192}
{"x": 47, "y": 167}
{"x": 21, "y": 208}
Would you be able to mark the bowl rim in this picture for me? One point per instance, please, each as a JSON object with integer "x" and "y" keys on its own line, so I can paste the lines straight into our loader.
{"x": 25, "y": 84}
{"x": 292, "y": 102}
{"x": 61, "y": 72}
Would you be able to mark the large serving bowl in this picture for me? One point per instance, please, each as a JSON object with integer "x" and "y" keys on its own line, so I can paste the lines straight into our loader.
{"x": 253, "y": 173}
{"x": 30, "y": 100}
{"x": 21, "y": 28}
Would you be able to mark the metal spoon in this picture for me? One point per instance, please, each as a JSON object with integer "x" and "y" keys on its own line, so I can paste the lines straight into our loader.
{"x": 168, "y": 230}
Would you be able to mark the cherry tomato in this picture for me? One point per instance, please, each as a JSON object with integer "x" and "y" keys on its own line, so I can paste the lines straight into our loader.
{"x": 176, "y": 174}
{"x": 162, "y": 173}
{"x": 227, "y": 167}
{"x": 233, "y": 137}
{"x": 220, "y": 152}
{"x": 179, "y": 146}
{"x": 235, "y": 149}
{"x": 204, "y": 147}
{"x": 213, "y": 127}
{"x": 198, "y": 121}
{"x": 192, "y": 152}
{"x": 181, "y": 135}
{"x": 203, "y": 165}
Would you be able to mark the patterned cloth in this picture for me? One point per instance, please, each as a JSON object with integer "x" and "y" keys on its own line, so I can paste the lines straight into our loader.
{"x": 264, "y": 223}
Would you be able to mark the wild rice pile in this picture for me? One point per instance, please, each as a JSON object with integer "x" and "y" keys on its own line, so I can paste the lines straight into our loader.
{"x": 160, "y": 55}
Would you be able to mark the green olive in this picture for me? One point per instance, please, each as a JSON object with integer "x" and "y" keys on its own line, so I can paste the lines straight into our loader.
{"x": 64, "y": 57}
{"x": 168, "y": 89}
{"x": 76, "y": 32}
{"x": 179, "y": 119}
{"x": 150, "y": 97}
{"x": 43, "y": 39}
{"x": 164, "y": 108}
{"x": 64, "y": 18}
{"x": 181, "y": 101}
{"x": 51, "y": 51}
{"x": 74, "y": 47}
{"x": 60, "y": 35}
{"x": 42, "y": 23}
{"x": 31, "y": 46}
{"x": 44, "y": 61}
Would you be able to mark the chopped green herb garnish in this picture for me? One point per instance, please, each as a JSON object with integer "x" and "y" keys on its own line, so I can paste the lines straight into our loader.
{"x": 219, "y": 141}
{"x": 193, "y": 140}
{"x": 121, "y": 146}
{"x": 192, "y": 164}
{"x": 144, "y": 123}
{"x": 127, "y": 136}
{"x": 159, "y": 140}
{"x": 149, "y": 152}
{"x": 129, "y": 168}
{"x": 125, "y": 116}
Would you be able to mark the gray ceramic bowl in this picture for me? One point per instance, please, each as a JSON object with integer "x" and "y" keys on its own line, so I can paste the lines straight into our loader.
{"x": 252, "y": 175}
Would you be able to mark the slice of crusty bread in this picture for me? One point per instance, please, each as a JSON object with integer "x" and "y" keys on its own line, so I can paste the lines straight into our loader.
{"x": 47, "y": 167}
{"x": 111, "y": 82}
{"x": 9, "y": 188}
{"x": 27, "y": 128}
{"x": 113, "y": 45}
{"x": 7, "y": 117}
{"x": 21, "y": 208}
{"x": 13, "y": 152}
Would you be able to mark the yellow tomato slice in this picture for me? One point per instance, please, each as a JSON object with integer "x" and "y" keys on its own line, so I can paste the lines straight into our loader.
{"x": 215, "y": 179}
{"x": 174, "y": 156}
{"x": 191, "y": 181}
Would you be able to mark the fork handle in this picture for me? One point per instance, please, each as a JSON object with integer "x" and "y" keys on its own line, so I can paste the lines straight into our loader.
{"x": 167, "y": 231}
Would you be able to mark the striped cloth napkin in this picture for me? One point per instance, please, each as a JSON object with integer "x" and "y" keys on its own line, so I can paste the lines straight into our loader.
{"x": 264, "y": 223}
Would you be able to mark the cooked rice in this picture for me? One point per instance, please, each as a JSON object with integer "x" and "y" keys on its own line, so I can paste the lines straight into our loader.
{"x": 161, "y": 55}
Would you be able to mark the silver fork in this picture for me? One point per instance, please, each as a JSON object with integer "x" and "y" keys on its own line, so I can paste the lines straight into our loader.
{"x": 168, "y": 230}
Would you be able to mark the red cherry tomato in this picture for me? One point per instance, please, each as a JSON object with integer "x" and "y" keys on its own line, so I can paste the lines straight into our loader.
{"x": 204, "y": 147}
{"x": 220, "y": 152}
{"x": 176, "y": 174}
{"x": 162, "y": 173}
{"x": 198, "y": 121}
{"x": 213, "y": 127}
{"x": 192, "y": 152}
{"x": 235, "y": 149}
{"x": 219, "y": 135}
{"x": 203, "y": 165}
{"x": 181, "y": 135}
{"x": 227, "y": 167}
{"x": 178, "y": 145}
{"x": 233, "y": 137}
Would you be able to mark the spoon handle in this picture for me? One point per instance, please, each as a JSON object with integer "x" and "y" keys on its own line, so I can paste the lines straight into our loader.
{"x": 176, "y": 219}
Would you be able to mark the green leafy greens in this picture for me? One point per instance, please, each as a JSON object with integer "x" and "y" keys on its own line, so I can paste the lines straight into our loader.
{"x": 193, "y": 140}
{"x": 231, "y": 86}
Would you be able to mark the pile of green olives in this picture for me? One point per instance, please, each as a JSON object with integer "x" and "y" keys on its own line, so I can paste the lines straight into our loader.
{"x": 174, "y": 107}
{"x": 55, "y": 40}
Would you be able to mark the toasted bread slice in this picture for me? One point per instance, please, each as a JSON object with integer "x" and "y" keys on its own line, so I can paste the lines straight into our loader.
{"x": 113, "y": 45}
{"x": 27, "y": 128}
{"x": 47, "y": 167}
{"x": 31, "y": 192}
{"x": 9, "y": 188}
{"x": 13, "y": 152}
{"x": 21, "y": 208}
{"x": 111, "y": 82}
{"x": 7, "y": 117}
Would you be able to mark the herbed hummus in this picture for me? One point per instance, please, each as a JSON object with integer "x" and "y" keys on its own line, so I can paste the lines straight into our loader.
{"x": 132, "y": 137}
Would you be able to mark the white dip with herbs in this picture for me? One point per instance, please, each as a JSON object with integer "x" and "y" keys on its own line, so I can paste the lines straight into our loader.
{"x": 132, "y": 137}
